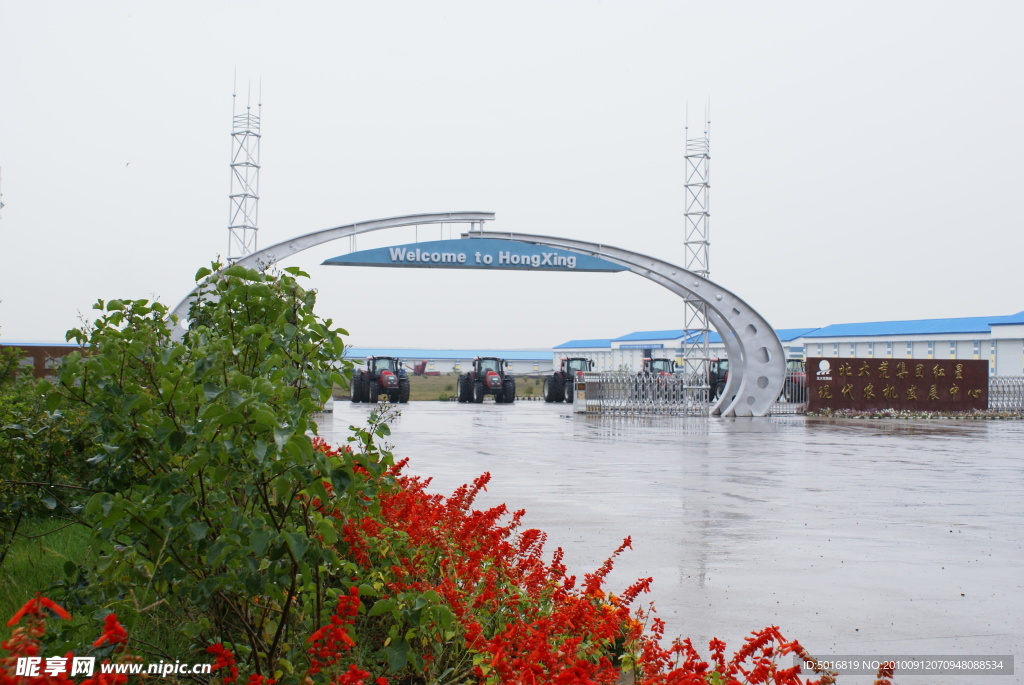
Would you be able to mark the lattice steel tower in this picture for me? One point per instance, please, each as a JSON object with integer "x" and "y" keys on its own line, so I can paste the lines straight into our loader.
{"x": 695, "y": 336}
{"x": 243, "y": 220}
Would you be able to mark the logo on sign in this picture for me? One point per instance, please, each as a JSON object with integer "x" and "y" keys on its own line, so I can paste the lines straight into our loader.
{"x": 824, "y": 370}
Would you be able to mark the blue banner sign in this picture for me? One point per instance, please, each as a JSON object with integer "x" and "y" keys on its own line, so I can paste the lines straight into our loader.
{"x": 476, "y": 253}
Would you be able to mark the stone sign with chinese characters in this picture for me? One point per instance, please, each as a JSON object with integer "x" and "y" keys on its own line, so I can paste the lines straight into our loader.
{"x": 902, "y": 384}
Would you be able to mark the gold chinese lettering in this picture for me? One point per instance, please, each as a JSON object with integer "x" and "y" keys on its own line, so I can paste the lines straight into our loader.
{"x": 869, "y": 391}
{"x": 864, "y": 370}
{"x": 974, "y": 393}
{"x": 933, "y": 392}
{"x": 938, "y": 371}
{"x": 889, "y": 392}
{"x": 901, "y": 370}
{"x": 883, "y": 369}
{"x": 918, "y": 370}
{"x": 954, "y": 391}
{"x": 958, "y": 371}
{"x": 847, "y": 391}
{"x": 845, "y": 369}
{"x": 911, "y": 393}
{"x": 824, "y": 392}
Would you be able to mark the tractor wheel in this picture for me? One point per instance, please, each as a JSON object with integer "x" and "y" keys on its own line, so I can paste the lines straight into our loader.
{"x": 508, "y": 390}
{"x": 403, "y": 390}
{"x": 558, "y": 388}
{"x": 478, "y": 392}
{"x": 719, "y": 390}
{"x": 463, "y": 388}
{"x": 372, "y": 392}
{"x": 568, "y": 391}
{"x": 546, "y": 393}
{"x": 356, "y": 387}
{"x": 393, "y": 395}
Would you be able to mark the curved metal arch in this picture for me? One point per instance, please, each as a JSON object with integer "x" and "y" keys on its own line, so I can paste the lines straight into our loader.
{"x": 269, "y": 255}
{"x": 750, "y": 342}
{"x": 757, "y": 361}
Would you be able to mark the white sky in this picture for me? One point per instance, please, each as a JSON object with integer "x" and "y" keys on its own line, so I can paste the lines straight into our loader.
{"x": 866, "y": 157}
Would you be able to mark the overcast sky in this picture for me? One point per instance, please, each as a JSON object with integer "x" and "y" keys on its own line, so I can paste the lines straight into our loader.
{"x": 866, "y": 157}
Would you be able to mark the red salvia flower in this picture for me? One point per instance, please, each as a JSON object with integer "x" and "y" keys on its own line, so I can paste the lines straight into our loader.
{"x": 35, "y": 606}
{"x": 225, "y": 660}
{"x": 113, "y": 632}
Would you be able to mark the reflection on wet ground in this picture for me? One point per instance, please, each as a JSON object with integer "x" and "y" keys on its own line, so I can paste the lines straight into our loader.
{"x": 856, "y": 537}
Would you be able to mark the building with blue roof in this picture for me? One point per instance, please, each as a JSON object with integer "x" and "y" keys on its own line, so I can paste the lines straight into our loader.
{"x": 626, "y": 352}
{"x": 998, "y": 339}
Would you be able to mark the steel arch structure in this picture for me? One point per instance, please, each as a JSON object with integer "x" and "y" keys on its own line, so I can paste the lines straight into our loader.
{"x": 757, "y": 361}
{"x": 285, "y": 249}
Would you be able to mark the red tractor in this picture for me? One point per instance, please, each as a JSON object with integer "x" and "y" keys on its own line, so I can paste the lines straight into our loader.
{"x": 487, "y": 377}
{"x": 381, "y": 375}
{"x": 658, "y": 380}
{"x": 718, "y": 373}
{"x": 558, "y": 387}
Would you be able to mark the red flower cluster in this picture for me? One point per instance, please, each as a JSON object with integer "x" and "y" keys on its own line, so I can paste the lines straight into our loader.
{"x": 357, "y": 676}
{"x": 113, "y": 632}
{"x": 225, "y": 660}
{"x": 35, "y": 608}
{"x": 331, "y": 640}
{"x": 25, "y": 642}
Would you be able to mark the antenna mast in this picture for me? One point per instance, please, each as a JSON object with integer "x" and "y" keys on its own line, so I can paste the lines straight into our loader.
{"x": 245, "y": 177}
{"x": 696, "y": 329}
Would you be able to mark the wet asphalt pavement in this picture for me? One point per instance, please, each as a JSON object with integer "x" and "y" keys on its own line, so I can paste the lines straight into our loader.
{"x": 871, "y": 538}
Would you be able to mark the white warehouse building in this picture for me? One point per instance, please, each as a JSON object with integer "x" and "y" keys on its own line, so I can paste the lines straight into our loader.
{"x": 626, "y": 352}
{"x": 998, "y": 339}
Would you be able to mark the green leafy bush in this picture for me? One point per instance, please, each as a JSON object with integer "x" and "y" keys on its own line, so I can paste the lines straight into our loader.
{"x": 204, "y": 470}
{"x": 39, "y": 471}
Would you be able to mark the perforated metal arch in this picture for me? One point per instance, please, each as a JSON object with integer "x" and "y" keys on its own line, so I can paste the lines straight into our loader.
{"x": 757, "y": 361}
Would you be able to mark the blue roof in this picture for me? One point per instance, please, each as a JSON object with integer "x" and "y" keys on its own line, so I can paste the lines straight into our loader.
{"x": 408, "y": 353}
{"x": 22, "y": 343}
{"x": 1010, "y": 320}
{"x": 593, "y": 343}
{"x": 785, "y": 335}
{"x": 973, "y": 324}
{"x": 672, "y": 334}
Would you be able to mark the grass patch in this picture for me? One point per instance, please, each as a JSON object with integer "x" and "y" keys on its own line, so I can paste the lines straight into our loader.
{"x": 36, "y": 564}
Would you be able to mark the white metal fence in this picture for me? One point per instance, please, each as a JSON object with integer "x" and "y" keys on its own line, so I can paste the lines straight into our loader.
{"x": 1006, "y": 393}
{"x": 628, "y": 393}
{"x": 617, "y": 392}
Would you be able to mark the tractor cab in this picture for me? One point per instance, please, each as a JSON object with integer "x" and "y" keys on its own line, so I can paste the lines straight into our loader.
{"x": 659, "y": 366}
{"x": 575, "y": 365}
{"x": 380, "y": 364}
{"x": 485, "y": 364}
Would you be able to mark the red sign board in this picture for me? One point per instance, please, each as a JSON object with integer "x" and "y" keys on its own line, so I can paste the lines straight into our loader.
{"x": 902, "y": 384}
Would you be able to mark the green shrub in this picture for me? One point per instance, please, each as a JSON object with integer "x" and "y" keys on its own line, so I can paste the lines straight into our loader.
{"x": 40, "y": 472}
{"x": 205, "y": 473}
